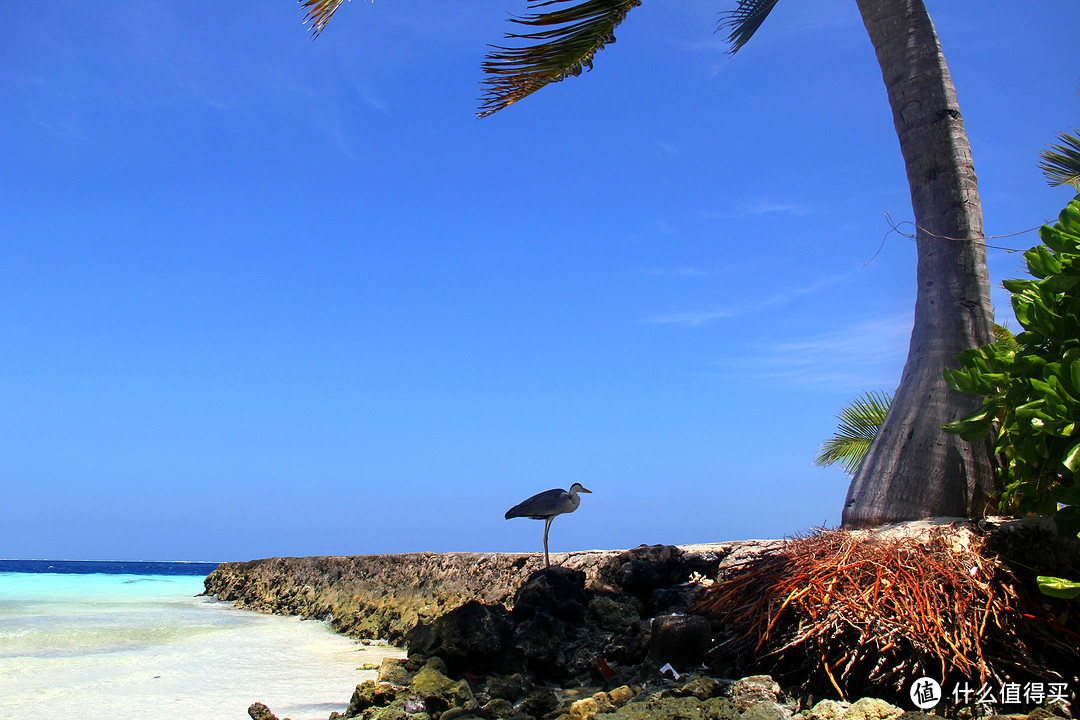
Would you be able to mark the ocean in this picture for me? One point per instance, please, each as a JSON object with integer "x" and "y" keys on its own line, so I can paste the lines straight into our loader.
{"x": 131, "y": 641}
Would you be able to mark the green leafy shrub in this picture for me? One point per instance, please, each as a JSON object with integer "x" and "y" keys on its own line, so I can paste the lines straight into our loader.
{"x": 1032, "y": 390}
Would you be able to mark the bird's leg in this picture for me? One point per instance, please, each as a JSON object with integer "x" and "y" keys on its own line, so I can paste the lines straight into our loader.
{"x": 547, "y": 525}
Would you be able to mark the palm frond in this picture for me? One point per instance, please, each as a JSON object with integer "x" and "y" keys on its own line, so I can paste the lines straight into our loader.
{"x": 745, "y": 20}
{"x": 1061, "y": 163}
{"x": 557, "y": 53}
{"x": 1005, "y": 339}
{"x": 859, "y": 425}
{"x": 319, "y": 12}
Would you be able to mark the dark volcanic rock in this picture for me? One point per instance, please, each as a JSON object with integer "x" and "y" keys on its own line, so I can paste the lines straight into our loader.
{"x": 507, "y": 687}
{"x": 383, "y": 596}
{"x": 539, "y": 703}
{"x": 647, "y": 568}
{"x": 473, "y": 636}
{"x": 613, "y": 612}
{"x": 681, "y": 640}
{"x": 558, "y": 630}
{"x": 558, "y": 591}
{"x": 556, "y": 638}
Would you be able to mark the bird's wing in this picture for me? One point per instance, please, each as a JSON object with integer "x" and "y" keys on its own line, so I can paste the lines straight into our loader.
{"x": 541, "y": 505}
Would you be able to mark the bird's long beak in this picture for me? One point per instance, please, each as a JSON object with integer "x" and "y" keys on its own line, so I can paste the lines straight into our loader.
{"x": 585, "y": 490}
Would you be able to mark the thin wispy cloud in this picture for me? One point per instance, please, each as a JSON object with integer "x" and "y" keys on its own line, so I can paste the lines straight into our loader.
{"x": 66, "y": 126}
{"x": 372, "y": 98}
{"x": 761, "y": 206}
{"x": 793, "y": 293}
{"x": 702, "y": 317}
{"x": 681, "y": 271}
{"x": 864, "y": 355}
{"x": 667, "y": 149}
{"x": 692, "y": 319}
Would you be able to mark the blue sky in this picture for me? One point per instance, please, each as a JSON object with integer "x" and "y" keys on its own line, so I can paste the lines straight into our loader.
{"x": 266, "y": 296}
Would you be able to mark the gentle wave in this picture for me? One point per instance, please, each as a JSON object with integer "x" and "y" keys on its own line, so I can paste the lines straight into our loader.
{"x": 116, "y": 647}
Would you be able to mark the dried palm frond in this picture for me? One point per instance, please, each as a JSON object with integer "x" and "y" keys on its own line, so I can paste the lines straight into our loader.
{"x": 319, "y": 12}
{"x": 855, "y": 613}
{"x": 573, "y": 37}
{"x": 745, "y": 20}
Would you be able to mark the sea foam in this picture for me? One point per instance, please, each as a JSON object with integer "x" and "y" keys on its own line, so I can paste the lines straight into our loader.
{"x": 143, "y": 647}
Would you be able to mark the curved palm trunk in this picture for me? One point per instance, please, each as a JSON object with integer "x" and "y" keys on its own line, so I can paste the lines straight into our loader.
{"x": 914, "y": 469}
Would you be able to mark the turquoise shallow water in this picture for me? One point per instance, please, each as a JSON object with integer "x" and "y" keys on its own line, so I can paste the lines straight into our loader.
{"x": 115, "y": 646}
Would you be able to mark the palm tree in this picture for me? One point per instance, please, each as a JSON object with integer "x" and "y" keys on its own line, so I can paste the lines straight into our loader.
{"x": 859, "y": 425}
{"x": 913, "y": 469}
{"x": 863, "y": 417}
{"x": 1061, "y": 163}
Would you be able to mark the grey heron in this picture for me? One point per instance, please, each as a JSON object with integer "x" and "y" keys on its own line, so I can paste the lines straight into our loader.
{"x": 546, "y": 505}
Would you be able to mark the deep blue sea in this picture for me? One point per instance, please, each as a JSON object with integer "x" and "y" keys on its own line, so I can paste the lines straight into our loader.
{"x": 106, "y": 567}
{"x": 132, "y": 640}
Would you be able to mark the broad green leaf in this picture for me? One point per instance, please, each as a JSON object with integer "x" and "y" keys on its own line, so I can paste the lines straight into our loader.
{"x": 1058, "y": 587}
{"x": 1016, "y": 286}
{"x": 1046, "y": 391}
{"x": 1067, "y": 520}
{"x": 961, "y": 381}
{"x": 1022, "y": 309}
{"x": 1041, "y": 262}
{"x": 1069, "y": 218}
{"x": 1029, "y": 409}
{"x": 1074, "y": 374}
{"x": 1054, "y": 238}
{"x": 1044, "y": 319}
{"x": 1060, "y": 389}
{"x": 974, "y": 426}
{"x": 1070, "y": 494}
{"x": 1059, "y": 283}
{"x": 1028, "y": 339}
{"x": 1072, "y": 458}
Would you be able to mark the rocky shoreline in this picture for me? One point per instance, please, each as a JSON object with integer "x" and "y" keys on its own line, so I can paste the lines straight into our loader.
{"x": 603, "y": 635}
{"x": 384, "y": 596}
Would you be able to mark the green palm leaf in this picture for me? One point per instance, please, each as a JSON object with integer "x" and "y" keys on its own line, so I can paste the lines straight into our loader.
{"x": 1005, "y": 339}
{"x": 859, "y": 424}
{"x": 319, "y": 12}
{"x": 745, "y": 20}
{"x": 573, "y": 37}
{"x": 1061, "y": 163}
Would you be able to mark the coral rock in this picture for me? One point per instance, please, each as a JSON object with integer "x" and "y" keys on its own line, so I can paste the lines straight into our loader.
{"x": 394, "y": 671}
{"x": 258, "y": 711}
{"x": 872, "y": 709}
{"x": 752, "y": 689}
{"x": 621, "y": 695}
